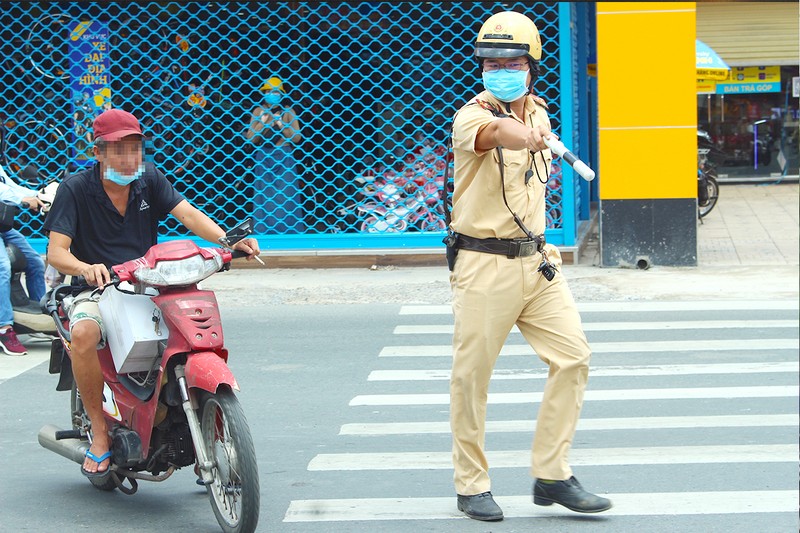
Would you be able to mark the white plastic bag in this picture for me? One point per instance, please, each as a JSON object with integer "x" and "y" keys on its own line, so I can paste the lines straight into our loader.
{"x": 53, "y": 277}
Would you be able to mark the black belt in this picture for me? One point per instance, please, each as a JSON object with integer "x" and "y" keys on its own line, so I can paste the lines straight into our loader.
{"x": 510, "y": 248}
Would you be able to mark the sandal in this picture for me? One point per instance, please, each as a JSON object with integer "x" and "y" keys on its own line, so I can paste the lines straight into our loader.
{"x": 102, "y": 474}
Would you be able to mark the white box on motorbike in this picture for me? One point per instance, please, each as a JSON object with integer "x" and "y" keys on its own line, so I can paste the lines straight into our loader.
{"x": 130, "y": 331}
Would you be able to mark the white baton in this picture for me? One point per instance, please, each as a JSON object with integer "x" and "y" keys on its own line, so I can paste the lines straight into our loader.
{"x": 572, "y": 160}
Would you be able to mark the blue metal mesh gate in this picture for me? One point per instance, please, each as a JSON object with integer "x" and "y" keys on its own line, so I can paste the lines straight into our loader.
{"x": 352, "y": 156}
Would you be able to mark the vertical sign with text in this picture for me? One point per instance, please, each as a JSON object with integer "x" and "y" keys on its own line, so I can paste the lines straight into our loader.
{"x": 90, "y": 83}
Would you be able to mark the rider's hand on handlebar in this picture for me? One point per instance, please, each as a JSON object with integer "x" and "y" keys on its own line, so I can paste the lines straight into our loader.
{"x": 97, "y": 275}
{"x": 248, "y": 246}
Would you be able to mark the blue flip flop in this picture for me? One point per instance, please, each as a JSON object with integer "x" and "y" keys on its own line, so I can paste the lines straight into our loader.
{"x": 97, "y": 475}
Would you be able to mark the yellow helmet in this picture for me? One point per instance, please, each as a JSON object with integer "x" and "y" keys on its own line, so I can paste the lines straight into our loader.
{"x": 272, "y": 84}
{"x": 508, "y": 34}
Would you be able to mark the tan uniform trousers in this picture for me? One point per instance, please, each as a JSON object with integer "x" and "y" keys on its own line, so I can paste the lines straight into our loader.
{"x": 491, "y": 293}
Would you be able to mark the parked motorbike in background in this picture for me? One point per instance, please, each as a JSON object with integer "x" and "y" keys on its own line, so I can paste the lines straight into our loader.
{"x": 708, "y": 155}
{"x": 168, "y": 392}
{"x": 707, "y": 185}
{"x": 391, "y": 203}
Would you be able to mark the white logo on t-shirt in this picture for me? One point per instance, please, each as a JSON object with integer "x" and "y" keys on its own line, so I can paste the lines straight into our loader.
{"x": 144, "y": 206}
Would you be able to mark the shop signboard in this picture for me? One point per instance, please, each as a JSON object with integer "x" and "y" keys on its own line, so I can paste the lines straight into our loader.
{"x": 90, "y": 82}
{"x": 706, "y": 86}
{"x": 745, "y": 80}
{"x": 746, "y": 88}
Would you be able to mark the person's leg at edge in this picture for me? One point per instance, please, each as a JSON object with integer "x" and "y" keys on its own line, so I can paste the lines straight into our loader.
{"x": 34, "y": 269}
{"x": 6, "y": 311}
{"x": 88, "y": 376}
{"x": 8, "y": 339}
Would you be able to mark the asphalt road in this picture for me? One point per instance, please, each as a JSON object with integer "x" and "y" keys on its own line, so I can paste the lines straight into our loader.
{"x": 690, "y": 424}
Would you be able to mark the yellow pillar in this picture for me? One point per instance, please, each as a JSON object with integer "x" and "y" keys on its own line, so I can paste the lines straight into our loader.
{"x": 647, "y": 106}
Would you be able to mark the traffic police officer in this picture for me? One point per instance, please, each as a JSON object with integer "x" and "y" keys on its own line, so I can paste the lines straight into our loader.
{"x": 505, "y": 274}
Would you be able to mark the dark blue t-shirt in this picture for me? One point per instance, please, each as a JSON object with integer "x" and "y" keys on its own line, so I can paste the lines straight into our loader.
{"x": 83, "y": 211}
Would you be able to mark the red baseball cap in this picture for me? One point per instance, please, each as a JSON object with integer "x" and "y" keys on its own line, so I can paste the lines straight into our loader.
{"x": 114, "y": 124}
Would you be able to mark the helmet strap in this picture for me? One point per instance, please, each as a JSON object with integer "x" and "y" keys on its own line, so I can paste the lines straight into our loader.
{"x": 534, "y": 70}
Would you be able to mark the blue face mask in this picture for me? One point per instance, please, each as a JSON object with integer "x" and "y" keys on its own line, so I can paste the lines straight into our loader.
{"x": 506, "y": 86}
{"x": 273, "y": 98}
{"x": 120, "y": 179}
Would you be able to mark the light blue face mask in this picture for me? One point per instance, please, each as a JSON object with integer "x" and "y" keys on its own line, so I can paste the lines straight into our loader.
{"x": 273, "y": 98}
{"x": 506, "y": 86}
{"x": 120, "y": 179}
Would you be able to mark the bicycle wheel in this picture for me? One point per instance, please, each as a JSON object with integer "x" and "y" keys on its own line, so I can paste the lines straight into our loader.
{"x": 38, "y": 145}
{"x": 713, "y": 195}
{"x": 45, "y": 46}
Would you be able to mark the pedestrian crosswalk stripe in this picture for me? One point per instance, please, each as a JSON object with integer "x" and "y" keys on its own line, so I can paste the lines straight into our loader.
{"x": 770, "y": 366}
{"x": 640, "y": 306}
{"x": 591, "y": 395}
{"x": 584, "y": 424}
{"x": 445, "y": 350}
{"x": 626, "y": 326}
{"x": 650, "y": 455}
{"x": 783, "y": 367}
{"x": 625, "y": 504}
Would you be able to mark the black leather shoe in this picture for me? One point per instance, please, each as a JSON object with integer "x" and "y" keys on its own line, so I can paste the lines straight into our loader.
{"x": 480, "y": 507}
{"x": 571, "y": 495}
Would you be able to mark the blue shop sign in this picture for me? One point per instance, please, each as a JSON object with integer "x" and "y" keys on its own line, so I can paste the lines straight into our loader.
{"x": 746, "y": 88}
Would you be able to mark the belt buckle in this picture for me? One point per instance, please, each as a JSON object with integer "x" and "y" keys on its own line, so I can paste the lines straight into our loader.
{"x": 527, "y": 248}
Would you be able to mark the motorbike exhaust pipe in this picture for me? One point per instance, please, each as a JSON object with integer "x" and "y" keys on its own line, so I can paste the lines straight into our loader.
{"x": 71, "y": 448}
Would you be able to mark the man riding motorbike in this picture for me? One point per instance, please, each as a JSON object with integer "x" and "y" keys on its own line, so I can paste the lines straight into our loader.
{"x": 105, "y": 215}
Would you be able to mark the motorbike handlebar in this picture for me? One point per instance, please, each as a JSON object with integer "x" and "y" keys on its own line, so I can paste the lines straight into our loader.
{"x": 572, "y": 160}
{"x": 50, "y": 306}
{"x": 237, "y": 254}
{"x": 80, "y": 281}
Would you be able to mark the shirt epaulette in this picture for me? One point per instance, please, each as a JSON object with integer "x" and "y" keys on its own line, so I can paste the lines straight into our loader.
{"x": 488, "y": 106}
{"x": 540, "y": 101}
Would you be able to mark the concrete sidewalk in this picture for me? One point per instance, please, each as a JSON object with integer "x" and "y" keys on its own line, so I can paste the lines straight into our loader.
{"x": 752, "y": 224}
{"x": 748, "y": 249}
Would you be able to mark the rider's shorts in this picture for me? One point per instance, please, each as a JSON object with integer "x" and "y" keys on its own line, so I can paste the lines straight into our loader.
{"x": 84, "y": 307}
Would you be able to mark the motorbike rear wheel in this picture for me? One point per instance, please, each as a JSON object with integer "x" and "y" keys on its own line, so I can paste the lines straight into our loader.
{"x": 234, "y": 494}
{"x": 80, "y": 420}
{"x": 713, "y": 195}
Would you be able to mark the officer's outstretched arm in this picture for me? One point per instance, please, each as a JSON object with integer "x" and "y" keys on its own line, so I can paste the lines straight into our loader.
{"x": 513, "y": 135}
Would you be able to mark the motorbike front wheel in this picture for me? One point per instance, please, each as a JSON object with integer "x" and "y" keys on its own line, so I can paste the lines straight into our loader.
{"x": 234, "y": 493}
{"x": 713, "y": 194}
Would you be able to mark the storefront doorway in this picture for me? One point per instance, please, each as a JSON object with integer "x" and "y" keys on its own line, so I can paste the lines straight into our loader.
{"x": 751, "y": 119}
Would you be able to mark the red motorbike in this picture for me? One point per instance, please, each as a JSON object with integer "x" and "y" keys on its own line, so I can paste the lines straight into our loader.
{"x": 168, "y": 394}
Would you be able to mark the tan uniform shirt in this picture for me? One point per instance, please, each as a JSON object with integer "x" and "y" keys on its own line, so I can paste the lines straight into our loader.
{"x": 478, "y": 207}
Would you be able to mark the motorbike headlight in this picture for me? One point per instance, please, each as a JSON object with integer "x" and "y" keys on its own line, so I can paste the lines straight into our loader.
{"x": 181, "y": 272}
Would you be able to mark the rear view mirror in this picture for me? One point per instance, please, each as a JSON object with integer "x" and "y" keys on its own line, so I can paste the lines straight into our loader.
{"x": 237, "y": 233}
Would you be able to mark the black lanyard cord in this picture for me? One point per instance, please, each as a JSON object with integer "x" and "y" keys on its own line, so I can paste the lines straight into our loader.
{"x": 505, "y": 200}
